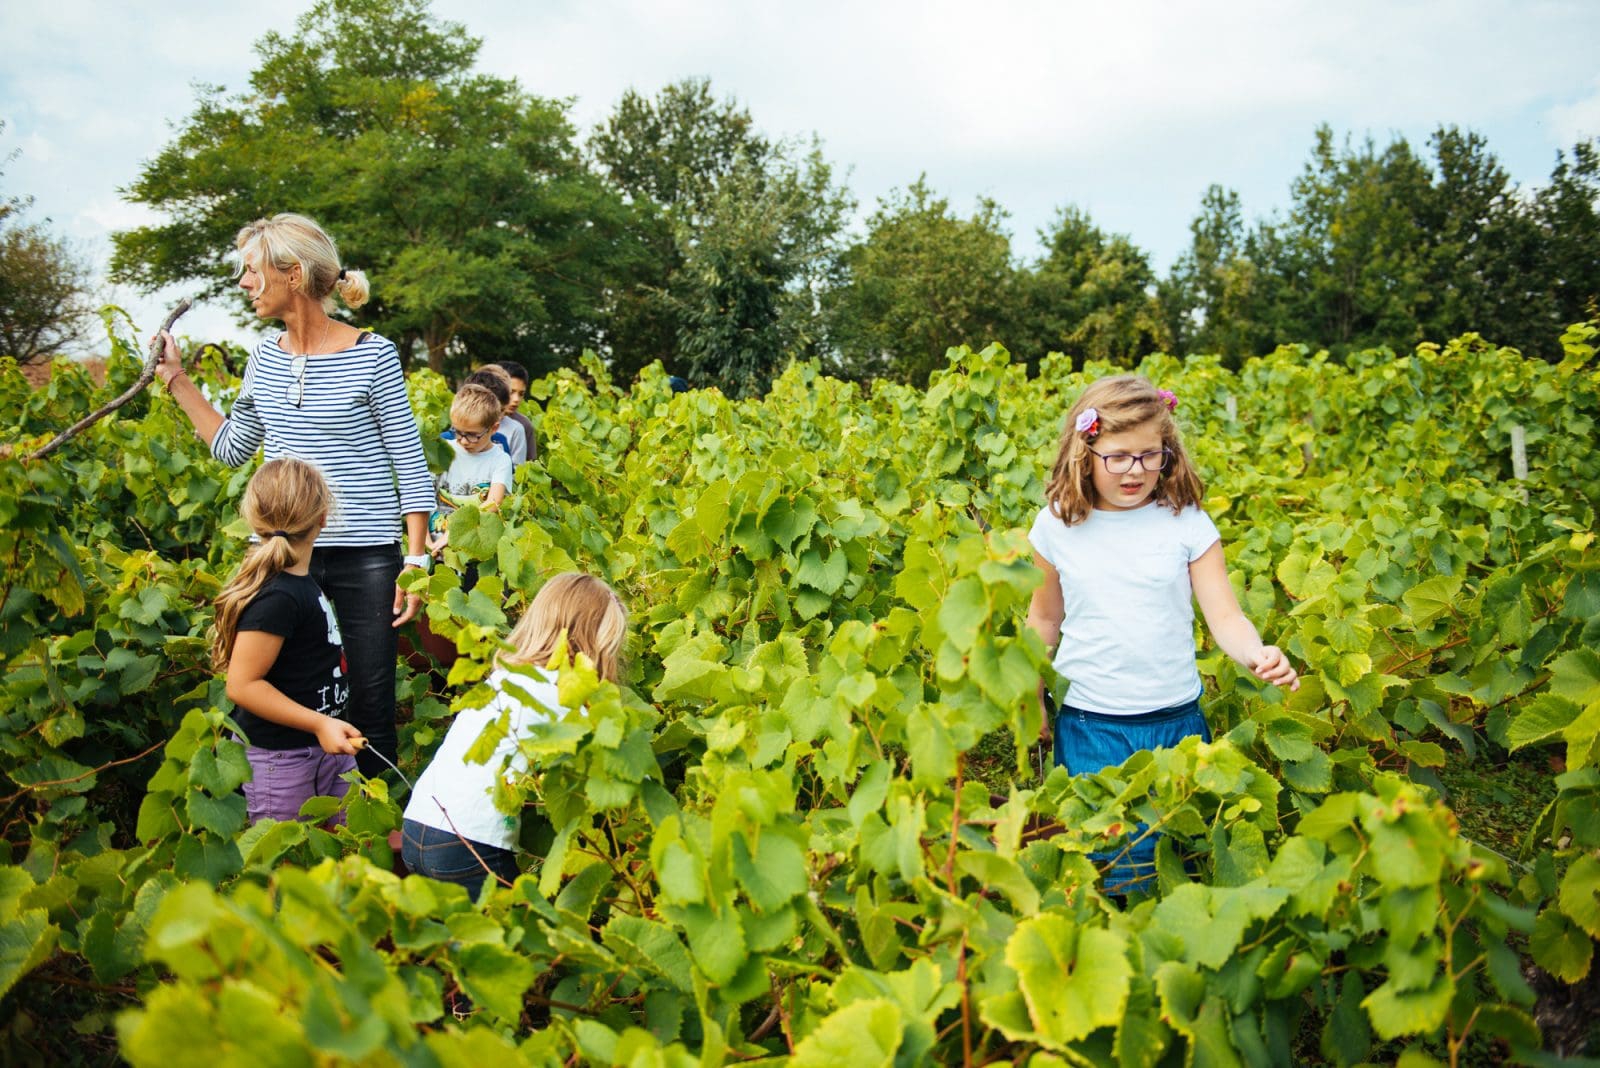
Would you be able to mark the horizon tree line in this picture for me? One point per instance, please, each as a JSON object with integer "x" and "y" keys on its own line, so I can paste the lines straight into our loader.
{"x": 677, "y": 230}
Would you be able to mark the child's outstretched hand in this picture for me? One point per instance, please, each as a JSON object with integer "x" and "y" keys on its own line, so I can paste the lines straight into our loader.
{"x": 337, "y": 736}
{"x": 1270, "y": 664}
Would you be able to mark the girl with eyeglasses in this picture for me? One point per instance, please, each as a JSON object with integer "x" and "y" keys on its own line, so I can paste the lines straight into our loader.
{"x": 335, "y": 397}
{"x": 1126, "y": 550}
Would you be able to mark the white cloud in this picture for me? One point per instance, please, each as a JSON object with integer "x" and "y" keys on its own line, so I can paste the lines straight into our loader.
{"x": 1578, "y": 119}
{"x": 104, "y": 215}
{"x": 38, "y": 147}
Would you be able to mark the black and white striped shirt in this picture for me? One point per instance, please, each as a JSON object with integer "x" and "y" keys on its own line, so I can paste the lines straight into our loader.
{"x": 354, "y": 423}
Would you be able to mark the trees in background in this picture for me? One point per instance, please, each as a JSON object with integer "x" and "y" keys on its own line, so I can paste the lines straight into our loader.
{"x": 45, "y": 304}
{"x": 752, "y": 268}
{"x": 919, "y": 281}
{"x": 1204, "y": 297}
{"x": 1092, "y": 295}
{"x": 464, "y": 197}
{"x": 738, "y": 235}
{"x": 1567, "y": 212}
{"x": 1383, "y": 247}
{"x": 664, "y": 155}
{"x": 923, "y": 278}
{"x": 683, "y": 233}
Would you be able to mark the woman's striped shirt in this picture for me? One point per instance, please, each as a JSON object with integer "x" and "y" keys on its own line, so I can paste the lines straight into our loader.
{"x": 354, "y": 422}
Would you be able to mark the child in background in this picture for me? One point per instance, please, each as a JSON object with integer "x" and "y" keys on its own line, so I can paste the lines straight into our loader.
{"x": 452, "y": 830}
{"x": 507, "y": 432}
{"x": 1124, "y": 547}
{"x": 278, "y": 641}
{"x": 479, "y": 469}
{"x": 519, "y": 391}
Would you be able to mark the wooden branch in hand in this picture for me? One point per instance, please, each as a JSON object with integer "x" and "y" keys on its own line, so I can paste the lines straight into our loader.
{"x": 145, "y": 378}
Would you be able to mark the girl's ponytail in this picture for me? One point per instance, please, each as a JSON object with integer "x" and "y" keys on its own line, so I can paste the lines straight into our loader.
{"x": 285, "y": 501}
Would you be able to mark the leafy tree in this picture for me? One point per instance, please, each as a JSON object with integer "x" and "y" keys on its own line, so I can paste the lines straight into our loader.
{"x": 922, "y": 280}
{"x": 464, "y": 196}
{"x": 1350, "y": 259}
{"x": 1567, "y": 211}
{"x": 1471, "y": 221}
{"x": 45, "y": 306}
{"x": 753, "y": 256}
{"x": 1208, "y": 299}
{"x": 1092, "y": 295}
{"x": 670, "y": 148}
{"x": 1513, "y": 266}
{"x": 736, "y": 233}
{"x": 1380, "y": 248}
{"x": 666, "y": 155}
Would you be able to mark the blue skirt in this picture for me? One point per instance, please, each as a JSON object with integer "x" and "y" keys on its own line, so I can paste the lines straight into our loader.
{"x": 1087, "y": 742}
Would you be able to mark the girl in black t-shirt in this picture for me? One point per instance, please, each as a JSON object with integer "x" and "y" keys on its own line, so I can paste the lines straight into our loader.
{"x": 278, "y": 641}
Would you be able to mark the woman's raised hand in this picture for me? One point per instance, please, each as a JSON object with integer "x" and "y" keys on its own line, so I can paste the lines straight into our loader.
{"x": 169, "y": 364}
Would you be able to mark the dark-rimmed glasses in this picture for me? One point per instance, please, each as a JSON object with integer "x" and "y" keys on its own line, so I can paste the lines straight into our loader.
{"x": 297, "y": 388}
{"x": 1120, "y": 463}
{"x": 469, "y": 437}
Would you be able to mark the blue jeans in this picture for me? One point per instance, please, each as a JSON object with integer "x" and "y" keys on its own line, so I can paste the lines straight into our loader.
{"x": 444, "y": 855}
{"x": 359, "y": 581}
{"x": 1086, "y": 742}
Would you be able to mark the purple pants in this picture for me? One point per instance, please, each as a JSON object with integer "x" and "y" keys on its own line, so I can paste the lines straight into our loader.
{"x": 285, "y": 779}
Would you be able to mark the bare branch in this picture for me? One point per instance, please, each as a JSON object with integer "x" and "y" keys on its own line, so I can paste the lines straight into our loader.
{"x": 501, "y": 879}
{"x": 145, "y": 378}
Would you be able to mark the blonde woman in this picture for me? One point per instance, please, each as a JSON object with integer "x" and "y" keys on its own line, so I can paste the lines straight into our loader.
{"x": 332, "y": 395}
{"x": 278, "y": 639}
{"x": 452, "y": 830}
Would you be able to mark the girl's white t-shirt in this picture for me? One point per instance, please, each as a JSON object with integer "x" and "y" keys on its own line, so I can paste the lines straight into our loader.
{"x": 465, "y": 789}
{"x": 1127, "y": 631}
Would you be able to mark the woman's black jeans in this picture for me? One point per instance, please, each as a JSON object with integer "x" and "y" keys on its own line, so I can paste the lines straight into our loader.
{"x": 359, "y": 581}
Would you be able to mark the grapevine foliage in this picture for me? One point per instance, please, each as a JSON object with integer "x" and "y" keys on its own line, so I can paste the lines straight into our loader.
{"x": 772, "y": 841}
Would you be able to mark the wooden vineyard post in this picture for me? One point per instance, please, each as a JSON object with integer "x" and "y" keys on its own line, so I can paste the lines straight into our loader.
{"x": 1519, "y": 458}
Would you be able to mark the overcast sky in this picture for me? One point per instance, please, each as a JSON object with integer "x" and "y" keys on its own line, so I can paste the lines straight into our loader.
{"x": 1128, "y": 110}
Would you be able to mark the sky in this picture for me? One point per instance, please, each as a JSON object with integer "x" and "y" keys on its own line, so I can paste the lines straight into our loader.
{"x": 1127, "y": 110}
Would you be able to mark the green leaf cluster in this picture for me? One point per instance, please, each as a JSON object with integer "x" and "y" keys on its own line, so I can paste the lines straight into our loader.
{"x": 784, "y": 833}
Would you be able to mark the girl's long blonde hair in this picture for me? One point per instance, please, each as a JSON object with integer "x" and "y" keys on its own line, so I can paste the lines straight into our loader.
{"x": 286, "y": 500}
{"x": 1122, "y": 403}
{"x": 585, "y": 610}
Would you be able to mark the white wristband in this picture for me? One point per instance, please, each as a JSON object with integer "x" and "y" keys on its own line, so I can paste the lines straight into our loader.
{"x": 421, "y": 560}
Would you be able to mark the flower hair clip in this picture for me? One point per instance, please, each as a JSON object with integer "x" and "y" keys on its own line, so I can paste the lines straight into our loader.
{"x": 1170, "y": 398}
{"x": 1088, "y": 423}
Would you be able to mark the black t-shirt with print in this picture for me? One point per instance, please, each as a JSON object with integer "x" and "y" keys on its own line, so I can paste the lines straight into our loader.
{"x": 310, "y": 668}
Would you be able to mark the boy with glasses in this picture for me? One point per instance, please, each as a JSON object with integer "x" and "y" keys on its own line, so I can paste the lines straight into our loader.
{"x": 479, "y": 468}
{"x": 508, "y": 434}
